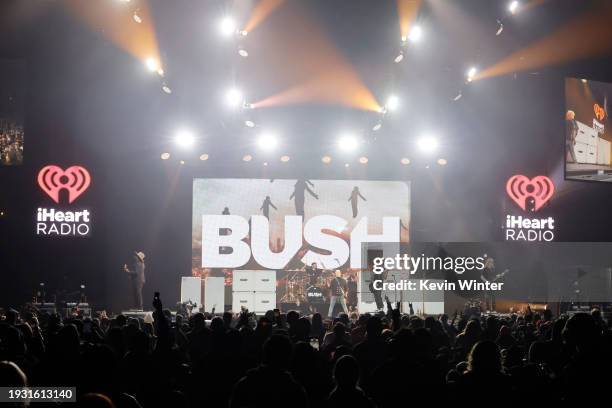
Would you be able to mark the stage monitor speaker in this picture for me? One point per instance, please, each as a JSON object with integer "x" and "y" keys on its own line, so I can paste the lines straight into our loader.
{"x": 191, "y": 290}
{"x": 214, "y": 294}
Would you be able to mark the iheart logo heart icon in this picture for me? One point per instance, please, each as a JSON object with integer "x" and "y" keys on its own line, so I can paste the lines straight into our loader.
{"x": 75, "y": 179}
{"x": 520, "y": 188}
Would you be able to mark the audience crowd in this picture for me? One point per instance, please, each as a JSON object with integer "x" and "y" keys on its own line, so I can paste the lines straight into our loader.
{"x": 289, "y": 360}
{"x": 11, "y": 143}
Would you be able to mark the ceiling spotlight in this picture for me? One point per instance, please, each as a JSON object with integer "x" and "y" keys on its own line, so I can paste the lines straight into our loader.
{"x": 513, "y": 7}
{"x": 166, "y": 89}
{"x": 459, "y": 96}
{"x": 348, "y": 143}
{"x": 182, "y": 162}
{"x": 471, "y": 74}
{"x": 136, "y": 17}
{"x": 415, "y": 34}
{"x": 285, "y": 159}
{"x": 326, "y": 159}
{"x": 152, "y": 64}
{"x": 243, "y": 53}
{"x": 399, "y": 57}
{"x": 377, "y": 127}
{"x": 227, "y": 26}
{"x": 234, "y": 98}
{"x": 392, "y": 103}
{"x": 427, "y": 144}
{"x": 405, "y": 161}
{"x": 363, "y": 160}
{"x": 160, "y": 72}
{"x": 442, "y": 162}
{"x": 165, "y": 156}
{"x": 267, "y": 142}
{"x": 247, "y": 158}
{"x": 265, "y": 164}
{"x": 346, "y": 165}
{"x": 249, "y": 123}
{"x": 584, "y": 80}
{"x": 184, "y": 138}
{"x": 243, "y": 33}
{"x": 404, "y": 38}
{"x": 204, "y": 157}
{"x": 500, "y": 28}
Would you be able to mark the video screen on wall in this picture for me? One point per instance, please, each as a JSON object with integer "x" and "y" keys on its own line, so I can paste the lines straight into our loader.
{"x": 588, "y": 137}
{"x": 12, "y": 98}
{"x": 283, "y": 225}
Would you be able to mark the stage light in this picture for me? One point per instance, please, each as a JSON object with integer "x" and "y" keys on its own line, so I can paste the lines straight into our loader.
{"x": 377, "y": 127}
{"x": 247, "y": 158}
{"x": 249, "y": 123}
{"x": 584, "y": 80}
{"x": 160, "y": 72}
{"x": 513, "y": 7}
{"x": 427, "y": 144}
{"x": 346, "y": 165}
{"x": 459, "y": 96}
{"x": 405, "y": 161}
{"x": 267, "y": 142}
{"x": 392, "y": 103}
{"x": 152, "y": 64}
{"x": 243, "y": 53}
{"x": 471, "y": 74}
{"x": 500, "y": 28}
{"x": 399, "y": 57}
{"x": 363, "y": 160}
{"x": 326, "y": 159}
{"x": 348, "y": 143}
{"x": 166, "y": 89}
{"x": 182, "y": 162}
{"x": 415, "y": 34}
{"x": 227, "y": 26}
{"x": 165, "y": 156}
{"x": 184, "y": 138}
{"x": 285, "y": 159}
{"x": 243, "y": 33}
{"x": 136, "y": 17}
{"x": 442, "y": 162}
{"x": 234, "y": 98}
{"x": 204, "y": 157}
{"x": 265, "y": 164}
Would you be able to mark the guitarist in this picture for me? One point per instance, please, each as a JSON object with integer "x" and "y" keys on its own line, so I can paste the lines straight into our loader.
{"x": 489, "y": 274}
{"x": 338, "y": 290}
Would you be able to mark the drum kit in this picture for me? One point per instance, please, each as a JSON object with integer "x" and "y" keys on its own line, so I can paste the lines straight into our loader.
{"x": 303, "y": 287}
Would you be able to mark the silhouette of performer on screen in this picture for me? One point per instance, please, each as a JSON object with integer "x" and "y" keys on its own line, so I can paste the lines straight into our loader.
{"x": 300, "y": 188}
{"x": 265, "y": 207}
{"x": 354, "y": 199}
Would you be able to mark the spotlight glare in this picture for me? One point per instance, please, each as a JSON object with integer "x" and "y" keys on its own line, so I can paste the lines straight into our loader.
{"x": 184, "y": 138}
{"x": 166, "y": 89}
{"x": 399, "y": 58}
{"x": 285, "y": 159}
{"x": 267, "y": 142}
{"x": 182, "y": 162}
{"x": 415, "y": 34}
{"x": 249, "y": 123}
{"x": 348, "y": 143}
{"x": 442, "y": 162}
{"x": 136, "y": 17}
{"x": 405, "y": 161}
{"x": 377, "y": 127}
{"x": 243, "y": 53}
{"x": 471, "y": 74}
{"x": 392, "y": 103}
{"x": 584, "y": 80}
{"x": 513, "y": 7}
{"x": 165, "y": 156}
{"x": 243, "y": 33}
{"x": 326, "y": 159}
{"x": 427, "y": 144}
{"x": 227, "y": 26}
{"x": 234, "y": 98}
{"x": 363, "y": 160}
{"x": 152, "y": 64}
{"x": 247, "y": 158}
{"x": 204, "y": 157}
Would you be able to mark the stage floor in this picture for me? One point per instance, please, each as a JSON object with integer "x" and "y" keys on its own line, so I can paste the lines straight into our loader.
{"x": 588, "y": 172}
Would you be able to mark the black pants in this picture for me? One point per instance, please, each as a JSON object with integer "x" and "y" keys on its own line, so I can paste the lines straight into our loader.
{"x": 377, "y": 297}
{"x": 137, "y": 293}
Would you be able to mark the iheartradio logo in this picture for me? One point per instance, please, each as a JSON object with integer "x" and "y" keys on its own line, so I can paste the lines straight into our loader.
{"x": 522, "y": 190}
{"x": 75, "y": 179}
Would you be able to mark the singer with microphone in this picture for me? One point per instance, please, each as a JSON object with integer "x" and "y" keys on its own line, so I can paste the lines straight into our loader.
{"x": 137, "y": 276}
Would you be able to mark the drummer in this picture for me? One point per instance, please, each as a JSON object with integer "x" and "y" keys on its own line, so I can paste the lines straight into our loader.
{"x": 314, "y": 273}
